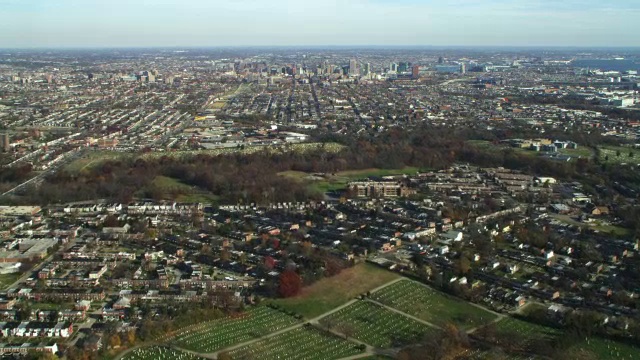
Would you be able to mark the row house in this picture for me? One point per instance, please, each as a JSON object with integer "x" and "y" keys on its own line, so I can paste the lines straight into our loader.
{"x": 69, "y": 294}
{"x": 36, "y": 329}
{"x": 25, "y": 348}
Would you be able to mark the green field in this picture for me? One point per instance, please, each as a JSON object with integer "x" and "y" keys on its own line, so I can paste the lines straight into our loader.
{"x": 159, "y": 353}
{"x": 298, "y": 148}
{"x": 489, "y": 146}
{"x": 8, "y": 279}
{"x": 93, "y": 158}
{"x": 376, "y": 325}
{"x": 609, "y": 154}
{"x": 580, "y": 152}
{"x": 187, "y": 193}
{"x": 339, "y": 181}
{"x": 432, "y": 306}
{"x": 167, "y": 183}
{"x": 613, "y": 230}
{"x": 598, "y": 226}
{"x": 329, "y": 293}
{"x": 222, "y": 333}
{"x": 525, "y": 333}
{"x": 607, "y": 349}
{"x": 306, "y": 342}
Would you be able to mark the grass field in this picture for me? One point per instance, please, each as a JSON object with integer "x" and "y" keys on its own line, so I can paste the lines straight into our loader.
{"x": 92, "y": 158}
{"x": 487, "y": 145}
{"x": 191, "y": 194}
{"x": 167, "y": 183}
{"x": 613, "y": 230}
{"x": 332, "y": 292}
{"x": 159, "y": 353}
{"x": 609, "y": 154}
{"x": 525, "y": 333}
{"x": 376, "y": 325}
{"x": 218, "y": 105}
{"x": 607, "y": 349}
{"x": 339, "y": 181}
{"x": 299, "y": 148}
{"x": 432, "y": 306}
{"x": 229, "y": 331}
{"x": 8, "y": 279}
{"x": 609, "y": 229}
{"x": 305, "y": 343}
{"x": 580, "y": 152}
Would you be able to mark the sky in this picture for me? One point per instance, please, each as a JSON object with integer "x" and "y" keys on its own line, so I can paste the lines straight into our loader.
{"x": 186, "y": 23}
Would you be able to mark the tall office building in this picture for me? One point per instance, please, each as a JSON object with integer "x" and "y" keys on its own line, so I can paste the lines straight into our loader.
{"x": 367, "y": 69}
{"x": 5, "y": 142}
{"x": 415, "y": 71}
{"x": 353, "y": 67}
{"x": 393, "y": 67}
{"x": 463, "y": 68}
{"x": 440, "y": 60}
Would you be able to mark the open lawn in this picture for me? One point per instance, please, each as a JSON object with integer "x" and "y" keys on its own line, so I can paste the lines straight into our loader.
{"x": 477, "y": 354}
{"x": 332, "y": 292}
{"x": 218, "y": 104}
{"x": 159, "y": 353}
{"x": 168, "y": 183}
{"x": 376, "y": 325}
{"x": 306, "y": 342}
{"x": 190, "y": 194}
{"x": 619, "y": 155}
{"x": 432, "y": 306}
{"x": 218, "y": 334}
{"x": 339, "y": 181}
{"x": 524, "y": 333}
{"x": 597, "y": 226}
{"x": 489, "y": 146}
{"x": 580, "y": 152}
{"x": 297, "y": 148}
{"x": 8, "y": 279}
{"x": 91, "y": 159}
{"x": 613, "y": 230}
{"x": 607, "y": 349}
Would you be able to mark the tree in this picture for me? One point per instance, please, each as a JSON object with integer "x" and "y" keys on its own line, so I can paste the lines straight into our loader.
{"x": 463, "y": 265}
{"x": 290, "y": 284}
{"x": 269, "y": 262}
{"x": 224, "y": 356}
{"x": 114, "y": 341}
{"x": 131, "y": 337}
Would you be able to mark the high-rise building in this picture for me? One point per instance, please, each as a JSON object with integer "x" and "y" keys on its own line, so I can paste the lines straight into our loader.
{"x": 5, "y": 142}
{"x": 367, "y": 69}
{"x": 463, "y": 68}
{"x": 404, "y": 67}
{"x": 415, "y": 71}
{"x": 440, "y": 60}
{"x": 393, "y": 67}
{"x": 353, "y": 67}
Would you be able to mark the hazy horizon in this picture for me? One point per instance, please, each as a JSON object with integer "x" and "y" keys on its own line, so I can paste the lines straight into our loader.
{"x": 75, "y": 24}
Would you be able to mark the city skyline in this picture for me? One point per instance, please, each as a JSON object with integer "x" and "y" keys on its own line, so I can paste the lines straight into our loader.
{"x": 196, "y": 23}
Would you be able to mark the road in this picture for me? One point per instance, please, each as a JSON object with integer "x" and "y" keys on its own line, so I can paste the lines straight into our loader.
{"x": 369, "y": 350}
{"x": 27, "y": 274}
{"x": 36, "y": 179}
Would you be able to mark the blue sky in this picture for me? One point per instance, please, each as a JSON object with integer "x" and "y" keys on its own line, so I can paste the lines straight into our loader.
{"x": 94, "y": 23}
